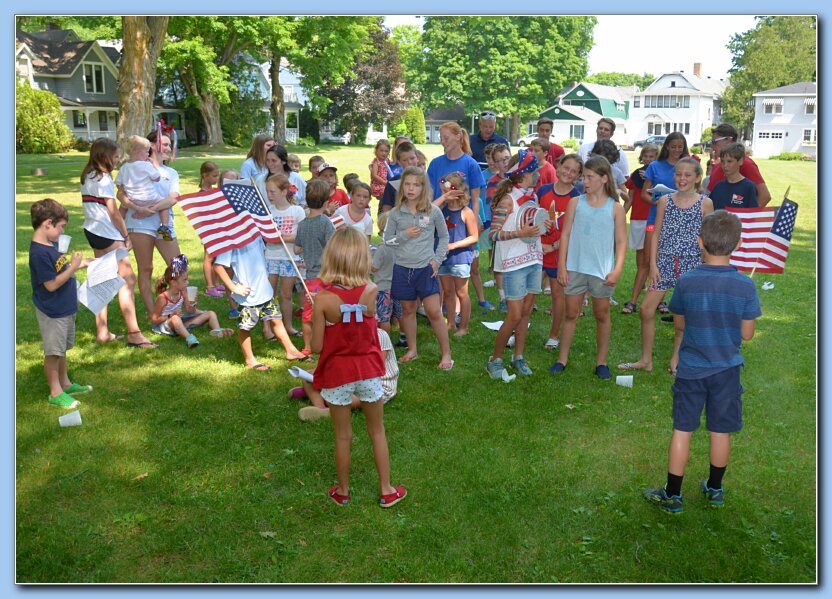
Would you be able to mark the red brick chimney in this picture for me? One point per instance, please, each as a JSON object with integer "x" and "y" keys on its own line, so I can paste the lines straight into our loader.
{"x": 697, "y": 69}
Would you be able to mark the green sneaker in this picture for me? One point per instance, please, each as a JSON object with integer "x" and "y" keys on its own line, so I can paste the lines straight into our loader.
{"x": 76, "y": 388}
{"x": 658, "y": 497}
{"x": 64, "y": 401}
{"x": 495, "y": 368}
{"x": 521, "y": 367}
{"x": 715, "y": 497}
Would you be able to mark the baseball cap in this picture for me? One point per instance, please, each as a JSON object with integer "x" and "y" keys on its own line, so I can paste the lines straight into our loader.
{"x": 325, "y": 166}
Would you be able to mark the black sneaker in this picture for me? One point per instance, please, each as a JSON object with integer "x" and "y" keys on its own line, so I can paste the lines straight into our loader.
{"x": 659, "y": 497}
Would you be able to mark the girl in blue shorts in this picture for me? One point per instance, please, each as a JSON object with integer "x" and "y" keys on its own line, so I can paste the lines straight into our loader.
{"x": 411, "y": 228}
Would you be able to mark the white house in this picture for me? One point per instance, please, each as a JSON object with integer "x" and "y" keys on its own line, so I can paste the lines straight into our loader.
{"x": 676, "y": 101}
{"x": 785, "y": 120}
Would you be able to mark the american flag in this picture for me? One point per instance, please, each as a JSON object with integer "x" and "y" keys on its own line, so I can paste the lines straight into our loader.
{"x": 338, "y": 221}
{"x": 228, "y": 218}
{"x": 766, "y": 237}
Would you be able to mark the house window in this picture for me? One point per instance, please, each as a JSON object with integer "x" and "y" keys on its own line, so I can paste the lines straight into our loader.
{"x": 102, "y": 120}
{"x": 636, "y": 102}
{"x": 94, "y": 78}
{"x": 809, "y": 106}
{"x": 770, "y": 135}
{"x": 79, "y": 119}
{"x": 810, "y": 136}
{"x": 576, "y": 131}
{"x": 772, "y": 106}
{"x": 687, "y": 128}
{"x": 685, "y": 101}
{"x": 672, "y": 84}
{"x": 667, "y": 128}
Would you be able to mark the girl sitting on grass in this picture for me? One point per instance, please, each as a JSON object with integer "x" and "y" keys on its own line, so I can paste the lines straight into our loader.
{"x": 168, "y": 317}
{"x": 344, "y": 334}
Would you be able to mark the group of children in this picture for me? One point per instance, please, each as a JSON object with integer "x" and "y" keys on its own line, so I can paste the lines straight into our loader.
{"x": 430, "y": 241}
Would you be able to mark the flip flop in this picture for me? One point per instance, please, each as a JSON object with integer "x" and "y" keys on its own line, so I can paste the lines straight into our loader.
{"x": 144, "y": 345}
{"x": 113, "y": 337}
{"x": 260, "y": 367}
{"x": 221, "y": 332}
{"x": 631, "y": 366}
{"x": 402, "y": 360}
{"x": 448, "y": 368}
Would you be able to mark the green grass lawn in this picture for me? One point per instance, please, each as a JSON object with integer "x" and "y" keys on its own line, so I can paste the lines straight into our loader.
{"x": 189, "y": 468}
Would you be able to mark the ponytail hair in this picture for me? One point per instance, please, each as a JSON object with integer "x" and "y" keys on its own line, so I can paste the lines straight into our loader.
{"x": 178, "y": 266}
{"x": 102, "y": 158}
{"x": 204, "y": 169}
{"x": 163, "y": 282}
{"x": 465, "y": 143}
{"x": 504, "y": 187}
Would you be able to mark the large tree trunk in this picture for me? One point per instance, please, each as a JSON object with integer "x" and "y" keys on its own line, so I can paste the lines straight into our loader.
{"x": 515, "y": 128}
{"x": 143, "y": 38}
{"x": 209, "y": 108}
{"x": 278, "y": 107}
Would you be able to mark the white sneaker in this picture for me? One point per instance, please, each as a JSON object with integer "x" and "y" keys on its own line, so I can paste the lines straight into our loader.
{"x": 421, "y": 311}
{"x": 613, "y": 302}
{"x": 490, "y": 283}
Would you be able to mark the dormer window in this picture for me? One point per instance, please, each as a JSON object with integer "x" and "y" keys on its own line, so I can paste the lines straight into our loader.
{"x": 94, "y": 78}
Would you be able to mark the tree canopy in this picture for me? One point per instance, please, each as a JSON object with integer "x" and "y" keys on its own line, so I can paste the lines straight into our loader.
{"x": 512, "y": 65}
{"x": 778, "y": 51}
{"x": 621, "y": 79}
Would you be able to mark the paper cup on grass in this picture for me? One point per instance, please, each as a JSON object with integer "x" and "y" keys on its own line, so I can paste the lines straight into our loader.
{"x": 71, "y": 419}
{"x": 191, "y": 293}
{"x": 625, "y": 380}
{"x": 63, "y": 243}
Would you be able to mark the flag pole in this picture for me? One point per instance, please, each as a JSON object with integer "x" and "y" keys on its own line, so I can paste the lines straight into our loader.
{"x": 285, "y": 247}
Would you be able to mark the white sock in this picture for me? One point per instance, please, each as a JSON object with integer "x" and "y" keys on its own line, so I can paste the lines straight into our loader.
{"x": 502, "y": 295}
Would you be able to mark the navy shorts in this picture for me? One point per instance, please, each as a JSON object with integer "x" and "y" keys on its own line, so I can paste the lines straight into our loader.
{"x": 552, "y": 273}
{"x": 410, "y": 284}
{"x": 721, "y": 396}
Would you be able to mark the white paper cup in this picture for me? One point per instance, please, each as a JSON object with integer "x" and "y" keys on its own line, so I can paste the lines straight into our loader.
{"x": 63, "y": 243}
{"x": 625, "y": 380}
{"x": 71, "y": 419}
{"x": 191, "y": 290}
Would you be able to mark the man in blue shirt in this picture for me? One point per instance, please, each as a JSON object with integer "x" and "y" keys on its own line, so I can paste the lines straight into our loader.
{"x": 485, "y": 137}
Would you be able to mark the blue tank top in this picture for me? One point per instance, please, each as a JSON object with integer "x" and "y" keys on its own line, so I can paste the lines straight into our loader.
{"x": 592, "y": 240}
{"x": 457, "y": 230}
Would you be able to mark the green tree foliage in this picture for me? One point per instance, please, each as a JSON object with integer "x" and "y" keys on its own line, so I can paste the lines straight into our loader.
{"x": 243, "y": 116}
{"x": 414, "y": 120}
{"x": 309, "y": 125}
{"x": 408, "y": 38}
{"x": 513, "y": 65}
{"x": 86, "y": 28}
{"x": 39, "y": 124}
{"x": 371, "y": 93}
{"x": 778, "y": 51}
{"x": 621, "y": 79}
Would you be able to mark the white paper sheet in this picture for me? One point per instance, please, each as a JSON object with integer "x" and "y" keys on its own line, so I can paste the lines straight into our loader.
{"x": 300, "y": 373}
{"x": 106, "y": 267}
{"x": 96, "y": 297}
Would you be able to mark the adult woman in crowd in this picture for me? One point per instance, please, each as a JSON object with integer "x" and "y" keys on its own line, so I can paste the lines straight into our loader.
{"x": 143, "y": 222}
{"x": 277, "y": 161}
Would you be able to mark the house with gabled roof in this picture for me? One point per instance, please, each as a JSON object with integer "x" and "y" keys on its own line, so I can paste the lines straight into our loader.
{"x": 677, "y": 101}
{"x": 786, "y": 120}
{"x": 84, "y": 77}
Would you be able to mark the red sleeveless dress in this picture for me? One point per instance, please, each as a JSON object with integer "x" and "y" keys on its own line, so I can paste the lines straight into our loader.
{"x": 351, "y": 351}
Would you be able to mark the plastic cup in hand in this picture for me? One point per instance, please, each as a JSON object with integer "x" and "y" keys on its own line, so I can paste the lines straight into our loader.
{"x": 71, "y": 419}
{"x": 191, "y": 293}
{"x": 625, "y": 380}
{"x": 63, "y": 243}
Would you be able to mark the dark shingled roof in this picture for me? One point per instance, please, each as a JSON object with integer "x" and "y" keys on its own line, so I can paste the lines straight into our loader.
{"x": 53, "y": 58}
{"x": 794, "y": 88}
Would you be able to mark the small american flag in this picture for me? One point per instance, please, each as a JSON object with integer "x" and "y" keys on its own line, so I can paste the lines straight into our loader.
{"x": 338, "y": 221}
{"x": 228, "y": 218}
{"x": 766, "y": 238}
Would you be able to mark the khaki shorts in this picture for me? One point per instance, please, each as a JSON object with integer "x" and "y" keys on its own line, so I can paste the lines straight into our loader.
{"x": 580, "y": 283}
{"x": 58, "y": 334}
{"x": 635, "y": 240}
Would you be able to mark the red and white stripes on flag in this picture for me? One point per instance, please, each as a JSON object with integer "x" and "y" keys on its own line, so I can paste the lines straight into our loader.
{"x": 224, "y": 223}
{"x": 765, "y": 240}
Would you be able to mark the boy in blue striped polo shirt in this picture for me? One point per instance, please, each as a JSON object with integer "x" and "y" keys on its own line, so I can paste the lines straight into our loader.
{"x": 714, "y": 308}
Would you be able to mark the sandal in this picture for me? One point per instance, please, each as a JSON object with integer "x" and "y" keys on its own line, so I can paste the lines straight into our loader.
{"x": 221, "y": 332}
{"x": 143, "y": 344}
{"x": 663, "y": 309}
{"x": 393, "y": 498}
{"x": 629, "y": 308}
{"x": 260, "y": 367}
{"x": 337, "y": 497}
{"x": 552, "y": 343}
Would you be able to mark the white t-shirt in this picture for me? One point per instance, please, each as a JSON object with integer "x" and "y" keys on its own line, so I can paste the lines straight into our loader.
{"x": 139, "y": 179}
{"x": 622, "y": 164}
{"x": 249, "y": 269}
{"x": 364, "y": 224}
{"x": 94, "y": 195}
{"x": 287, "y": 223}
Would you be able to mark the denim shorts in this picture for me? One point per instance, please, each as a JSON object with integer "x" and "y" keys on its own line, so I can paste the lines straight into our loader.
{"x": 413, "y": 283}
{"x": 517, "y": 284}
{"x": 367, "y": 390}
{"x": 463, "y": 271}
{"x": 148, "y": 225}
{"x": 281, "y": 268}
{"x": 484, "y": 242}
{"x": 580, "y": 283}
{"x": 721, "y": 396}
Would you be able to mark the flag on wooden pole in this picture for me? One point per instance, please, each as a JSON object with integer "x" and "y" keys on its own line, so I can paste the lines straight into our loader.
{"x": 766, "y": 238}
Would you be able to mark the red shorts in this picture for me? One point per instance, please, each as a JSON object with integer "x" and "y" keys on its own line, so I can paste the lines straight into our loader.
{"x": 314, "y": 286}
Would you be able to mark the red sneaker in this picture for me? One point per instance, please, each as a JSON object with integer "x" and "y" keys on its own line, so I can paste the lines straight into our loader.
{"x": 393, "y": 498}
{"x": 337, "y": 497}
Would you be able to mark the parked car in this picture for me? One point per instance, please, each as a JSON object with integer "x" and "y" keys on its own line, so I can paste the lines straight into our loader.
{"x": 705, "y": 145}
{"x": 651, "y": 139}
{"x": 527, "y": 139}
